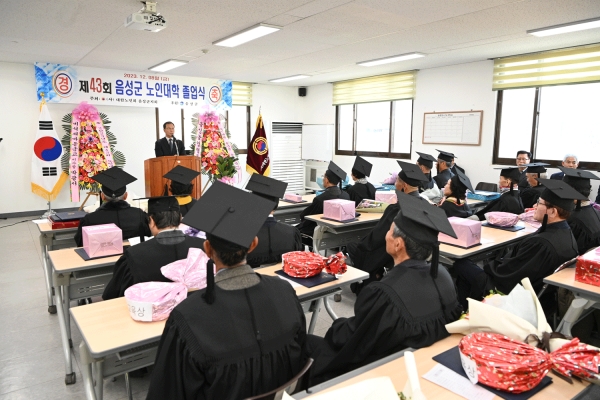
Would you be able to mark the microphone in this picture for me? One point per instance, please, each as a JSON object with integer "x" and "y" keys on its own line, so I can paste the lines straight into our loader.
{"x": 176, "y": 146}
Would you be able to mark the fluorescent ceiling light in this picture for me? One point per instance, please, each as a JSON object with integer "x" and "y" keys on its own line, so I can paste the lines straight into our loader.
{"x": 566, "y": 28}
{"x": 392, "y": 59}
{"x": 247, "y": 35}
{"x": 289, "y": 78}
{"x": 167, "y": 65}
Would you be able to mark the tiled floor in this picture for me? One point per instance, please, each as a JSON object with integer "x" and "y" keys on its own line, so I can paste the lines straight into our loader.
{"x": 31, "y": 362}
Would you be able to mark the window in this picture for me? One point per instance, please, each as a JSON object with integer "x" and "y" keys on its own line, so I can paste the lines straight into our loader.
{"x": 382, "y": 129}
{"x": 238, "y": 124}
{"x": 550, "y": 122}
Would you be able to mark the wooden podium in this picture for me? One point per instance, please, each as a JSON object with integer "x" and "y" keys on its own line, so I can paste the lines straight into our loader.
{"x": 155, "y": 168}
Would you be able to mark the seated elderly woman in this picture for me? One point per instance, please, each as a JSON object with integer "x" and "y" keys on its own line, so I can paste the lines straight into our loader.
{"x": 455, "y": 193}
{"x": 531, "y": 194}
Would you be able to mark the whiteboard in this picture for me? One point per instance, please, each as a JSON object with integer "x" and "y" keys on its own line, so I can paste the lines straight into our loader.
{"x": 317, "y": 142}
{"x": 459, "y": 127}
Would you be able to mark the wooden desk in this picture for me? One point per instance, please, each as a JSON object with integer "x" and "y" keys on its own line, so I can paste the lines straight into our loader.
{"x": 396, "y": 370}
{"x": 363, "y": 219}
{"x": 329, "y": 234}
{"x": 113, "y": 343}
{"x": 73, "y": 279}
{"x": 52, "y": 239}
{"x": 491, "y": 239}
{"x": 289, "y": 213}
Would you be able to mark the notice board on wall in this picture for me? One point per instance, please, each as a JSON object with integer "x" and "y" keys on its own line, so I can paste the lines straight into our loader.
{"x": 456, "y": 127}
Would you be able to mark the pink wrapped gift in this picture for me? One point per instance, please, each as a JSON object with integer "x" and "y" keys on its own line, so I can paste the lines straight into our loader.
{"x": 503, "y": 219}
{"x": 102, "y": 240}
{"x": 338, "y": 209}
{"x": 390, "y": 180}
{"x": 386, "y": 196}
{"x": 293, "y": 197}
{"x": 154, "y": 301}
{"x": 527, "y": 217}
{"x": 190, "y": 271}
{"x": 467, "y": 230}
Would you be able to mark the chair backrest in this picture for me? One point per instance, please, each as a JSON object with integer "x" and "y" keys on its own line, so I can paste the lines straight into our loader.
{"x": 296, "y": 384}
{"x": 486, "y": 186}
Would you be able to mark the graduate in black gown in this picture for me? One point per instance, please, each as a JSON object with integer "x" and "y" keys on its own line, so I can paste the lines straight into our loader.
{"x": 409, "y": 307}
{"x": 509, "y": 201}
{"x": 182, "y": 187}
{"x": 523, "y": 157}
{"x": 443, "y": 164}
{"x": 425, "y": 162}
{"x": 115, "y": 210}
{"x": 333, "y": 177}
{"x": 245, "y": 333}
{"x": 535, "y": 257}
{"x": 361, "y": 189}
{"x": 369, "y": 253}
{"x": 274, "y": 238}
{"x": 531, "y": 194}
{"x": 585, "y": 219}
{"x": 142, "y": 262}
{"x": 455, "y": 192}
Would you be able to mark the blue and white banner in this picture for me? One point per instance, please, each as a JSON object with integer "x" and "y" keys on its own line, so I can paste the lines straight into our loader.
{"x": 73, "y": 84}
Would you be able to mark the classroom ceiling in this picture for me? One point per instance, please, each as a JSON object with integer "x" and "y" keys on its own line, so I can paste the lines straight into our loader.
{"x": 321, "y": 38}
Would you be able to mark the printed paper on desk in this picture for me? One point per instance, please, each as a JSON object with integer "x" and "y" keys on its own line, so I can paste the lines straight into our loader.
{"x": 140, "y": 311}
{"x": 370, "y": 389}
{"x": 136, "y": 240}
{"x": 448, "y": 379}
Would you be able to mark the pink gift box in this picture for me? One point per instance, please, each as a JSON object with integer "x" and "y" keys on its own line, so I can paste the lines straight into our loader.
{"x": 102, "y": 240}
{"x": 386, "y": 197}
{"x": 293, "y": 197}
{"x": 467, "y": 230}
{"x": 339, "y": 210}
{"x": 154, "y": 301}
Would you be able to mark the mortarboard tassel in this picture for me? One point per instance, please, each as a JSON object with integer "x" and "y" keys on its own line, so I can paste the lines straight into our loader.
{"x": 209, "y": 295}
{"x": 435, "y": 255}
{"x": 544, "y": 223}
{"x": 578, "y": 206}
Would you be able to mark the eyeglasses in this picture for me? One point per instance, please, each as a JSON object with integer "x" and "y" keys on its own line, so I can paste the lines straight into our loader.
{"x": 522, "y": 159}
{"x": 543, "y": 204}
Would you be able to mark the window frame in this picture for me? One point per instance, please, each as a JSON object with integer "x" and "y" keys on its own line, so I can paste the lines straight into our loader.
{"x": 381, "y": 154}
{"x": 496, "y": 160}
{"x": 248, "y": 128}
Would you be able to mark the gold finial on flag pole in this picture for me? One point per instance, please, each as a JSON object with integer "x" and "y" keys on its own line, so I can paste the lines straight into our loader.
{"x": 43, "y": 101}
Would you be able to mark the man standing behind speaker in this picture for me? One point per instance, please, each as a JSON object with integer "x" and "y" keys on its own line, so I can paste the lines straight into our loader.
{"x": 169, "y": 146}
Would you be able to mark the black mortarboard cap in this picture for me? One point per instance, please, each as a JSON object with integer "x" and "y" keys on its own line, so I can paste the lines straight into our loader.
{"x": 181, "y": 175}
{"x": 337, "y": 171}
{"x": 510, "y": 172}
{"x": 426, "y": 160}
{"x": 462, "y": 178}
{"x": 422, "y": 222}
{"x": 362, "y": 166}
{"x": 411, "y": 174}
{"x": 578, "y": 173}
{"x": 560, "y": 194}
{"x": 535, "y": 168}
{"x": 263, "y": 185}
{"x": 446, "y": 156}
{"x": 114, "y": 181}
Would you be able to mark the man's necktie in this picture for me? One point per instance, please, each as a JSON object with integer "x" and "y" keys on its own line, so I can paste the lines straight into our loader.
{"x": 171, "y": 145}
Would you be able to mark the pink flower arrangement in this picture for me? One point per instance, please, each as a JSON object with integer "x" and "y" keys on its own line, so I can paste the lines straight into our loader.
{"x": 85, "y": 112}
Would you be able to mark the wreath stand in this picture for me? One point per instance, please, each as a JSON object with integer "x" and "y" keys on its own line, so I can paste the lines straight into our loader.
{"x": 87, "y": 197}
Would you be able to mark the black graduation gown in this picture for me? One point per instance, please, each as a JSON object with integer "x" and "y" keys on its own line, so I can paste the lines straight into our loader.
{"x": 508, "y": 202}
{"x": 427, "y": 185}
{"x": 246, "y": 343}
{"x": 536, "y": 257}
{"x": 142, "y": 262}
{"x": 333, "y": 192}
{"x": 531, "y": 195}
{"x": 360, "y": 191}
{"x": 585, "y": 225}
{"x": 402, "y": 310}
{"x": 184, "y": 208}
{"x": 442, "y": 178}
{"x": 523, "y": 184}
{"x": 132, "y": 221}
{"x": 274, "y": 239}
{"x": 454, "y": 210}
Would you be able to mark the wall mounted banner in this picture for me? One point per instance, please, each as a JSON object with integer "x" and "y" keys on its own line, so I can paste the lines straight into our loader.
{"x": 73, "y": 84}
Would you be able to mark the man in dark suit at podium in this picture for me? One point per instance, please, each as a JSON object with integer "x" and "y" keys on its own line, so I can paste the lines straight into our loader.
{"x": 169, "y": 146}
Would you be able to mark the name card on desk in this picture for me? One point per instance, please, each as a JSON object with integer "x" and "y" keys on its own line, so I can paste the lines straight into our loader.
{"x": 140, "y": 311}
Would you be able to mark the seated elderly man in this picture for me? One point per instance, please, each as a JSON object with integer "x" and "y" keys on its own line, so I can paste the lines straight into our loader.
{"x": 115, "y": 210}
{"x": 444, "y": 162}
{"x": 569, "y": 161}
{"x": 362, "y": 188}
{"x": 182, "y": 187}
{"x": 245, "y": 333}
{"x": 531, "y": 194}
{"x": 409, "y": 307}
{"x": 425, "y": 162}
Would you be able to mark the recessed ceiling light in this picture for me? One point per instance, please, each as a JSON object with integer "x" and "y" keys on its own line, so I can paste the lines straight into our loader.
{"x": 289, "y": 78}
{"x": 392, "y": 59}
{"x": 247, "y": 35}
{"x": 566, "y": 28}
{"x": 167, "y": 65}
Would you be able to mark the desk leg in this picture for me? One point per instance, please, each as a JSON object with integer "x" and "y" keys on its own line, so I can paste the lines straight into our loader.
{"x": 315, "y": 315}
{"x": 330, "y": 311}
{"x": 62, "y": 308}
{"x": 86, "y": 371}
{"x": 577, "y": 307}
{"x": 99, "y": 378}
{"x": 45, "y": 245}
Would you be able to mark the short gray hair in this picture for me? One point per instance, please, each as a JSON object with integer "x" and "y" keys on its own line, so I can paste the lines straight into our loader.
{"x": 570, "y": 155}
{"x": 442, "y": 162}
{"x": 414, "y": 250}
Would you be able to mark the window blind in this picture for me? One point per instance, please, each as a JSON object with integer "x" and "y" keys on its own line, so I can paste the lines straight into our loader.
{"x": 241, "y": 94}
{"x": 375, "y": 88}
{"x": 556, "y": 67}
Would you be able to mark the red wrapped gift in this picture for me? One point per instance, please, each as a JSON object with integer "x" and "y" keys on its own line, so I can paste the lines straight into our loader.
{"x": 336, "y": 264}
{"x": 302, "y": 264}
{"x": 587, "y": 269}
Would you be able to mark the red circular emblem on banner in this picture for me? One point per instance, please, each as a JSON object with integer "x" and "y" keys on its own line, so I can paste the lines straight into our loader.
{"x": 62, "y": 84}
{"x": 260, "y": 146}
{"x": 214, "y": 94}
